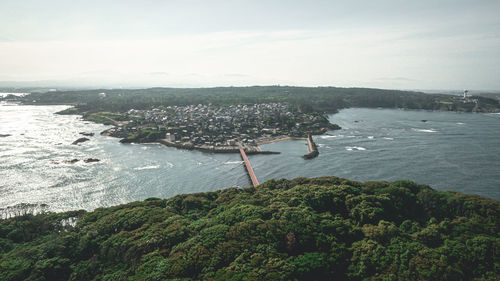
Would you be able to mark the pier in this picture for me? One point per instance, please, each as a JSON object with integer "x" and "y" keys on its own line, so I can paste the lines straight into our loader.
{"x": 248, "y": 167}
{"x": 313, "y": 149}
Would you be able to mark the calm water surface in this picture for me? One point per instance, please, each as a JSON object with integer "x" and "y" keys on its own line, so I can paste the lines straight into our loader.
{"x": 450, "y": 151}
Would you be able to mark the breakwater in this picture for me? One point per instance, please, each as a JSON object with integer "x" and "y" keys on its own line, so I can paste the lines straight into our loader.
{"x": 313, "y": 149}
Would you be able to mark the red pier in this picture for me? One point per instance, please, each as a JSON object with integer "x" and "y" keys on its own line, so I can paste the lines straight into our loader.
{"x": 250, "y": 172}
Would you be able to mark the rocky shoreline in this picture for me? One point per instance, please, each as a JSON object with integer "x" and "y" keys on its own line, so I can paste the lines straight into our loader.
{"x": 211, "y": 149}
{"x": 249, "y": 149}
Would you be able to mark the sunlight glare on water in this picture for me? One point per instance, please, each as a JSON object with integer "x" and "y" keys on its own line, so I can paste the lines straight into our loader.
{"x": 449, "y": 152}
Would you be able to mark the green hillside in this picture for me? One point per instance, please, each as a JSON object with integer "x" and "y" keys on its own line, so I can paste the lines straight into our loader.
{"x": 303, "y": 229}
{"x": 307, "y": 99}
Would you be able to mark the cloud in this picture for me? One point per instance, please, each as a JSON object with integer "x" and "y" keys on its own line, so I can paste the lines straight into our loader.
{"x": 398, "y": 79}
{"x": 159, "y": 73}
{"x": 385, "y": 58}
{"x": 235, "y": 75}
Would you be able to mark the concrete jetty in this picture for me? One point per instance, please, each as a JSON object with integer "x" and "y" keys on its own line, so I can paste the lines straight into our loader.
{"x": 313, "y": 149}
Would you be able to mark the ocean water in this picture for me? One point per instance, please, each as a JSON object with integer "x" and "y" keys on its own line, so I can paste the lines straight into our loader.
{"x": 450, "y": 151}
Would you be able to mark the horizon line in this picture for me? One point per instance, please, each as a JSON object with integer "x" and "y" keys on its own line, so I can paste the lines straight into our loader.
{"x": 145, "y": 87}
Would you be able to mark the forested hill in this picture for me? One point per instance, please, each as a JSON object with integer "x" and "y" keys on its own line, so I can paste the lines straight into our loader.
{"x": 304, "y": 229}
{"x": 325, "y": 99}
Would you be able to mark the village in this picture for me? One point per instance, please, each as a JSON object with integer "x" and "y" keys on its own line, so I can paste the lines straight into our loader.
{"x": 219, "y": 128}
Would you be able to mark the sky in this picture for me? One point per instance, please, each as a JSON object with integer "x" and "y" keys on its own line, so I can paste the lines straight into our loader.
{"x": 434, "y": 45}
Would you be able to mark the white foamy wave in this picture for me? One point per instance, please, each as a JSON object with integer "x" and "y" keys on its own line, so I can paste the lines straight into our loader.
{"x": 170, "y": 165}
{"x": 387, "y": 138}
{"x": 147, "y": 167}
{"x": 426, "y": 130}
{"x": 370, "y": 137}
{"x": 460, "y": 123}
{"x": 331, "y": 137}
{"x": 351, "y": 148}
{"x": 232, "y": 162}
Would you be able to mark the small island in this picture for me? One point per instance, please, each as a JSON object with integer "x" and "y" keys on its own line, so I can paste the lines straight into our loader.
{"x": 80, "y": 140}
{"x": 223, "y": 119}
{"x": 220, "y": 129}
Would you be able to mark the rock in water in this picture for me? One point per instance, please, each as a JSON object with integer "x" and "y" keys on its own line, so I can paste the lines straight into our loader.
{"x": 80, "y": 140}
{"x": 87, "y": 134}
{"x": 4, "y": 135}
{"x": 90, "y": 160}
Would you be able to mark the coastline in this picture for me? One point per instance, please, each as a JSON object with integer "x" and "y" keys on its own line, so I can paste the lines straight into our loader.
{"x": 313, "y": 152}
{"x": 249, "y": 149}
{"x": 268, "y": 140}
{"x": 221, "y": 149}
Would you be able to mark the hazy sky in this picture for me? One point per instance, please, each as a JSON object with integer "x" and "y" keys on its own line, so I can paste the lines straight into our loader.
{"x": 425, "y": 44}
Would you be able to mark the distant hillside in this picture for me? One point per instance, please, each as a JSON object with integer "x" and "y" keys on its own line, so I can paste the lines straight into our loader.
{"x": 307, "y": 99}
{"x": 302, "y": 229}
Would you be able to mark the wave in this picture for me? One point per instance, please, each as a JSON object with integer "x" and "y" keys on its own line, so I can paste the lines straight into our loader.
{"x": 147, "y": 167}
{"x": 232, "y": 162}
{"x": 351, "y": 148}
{"x": 387, "y": 138}
{"x": 425, "y": 130}
{"x": 460, "y": 123}
{"x": 331, "y": 137}
{"x": 371, "y": 137}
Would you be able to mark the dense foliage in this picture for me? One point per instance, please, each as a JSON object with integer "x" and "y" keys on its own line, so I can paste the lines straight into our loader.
{"x": 303, "y": 229}
{"x": 306, "y": 99}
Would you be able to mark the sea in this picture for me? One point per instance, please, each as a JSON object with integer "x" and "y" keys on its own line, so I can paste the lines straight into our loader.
{"x": 446, "y": 150}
